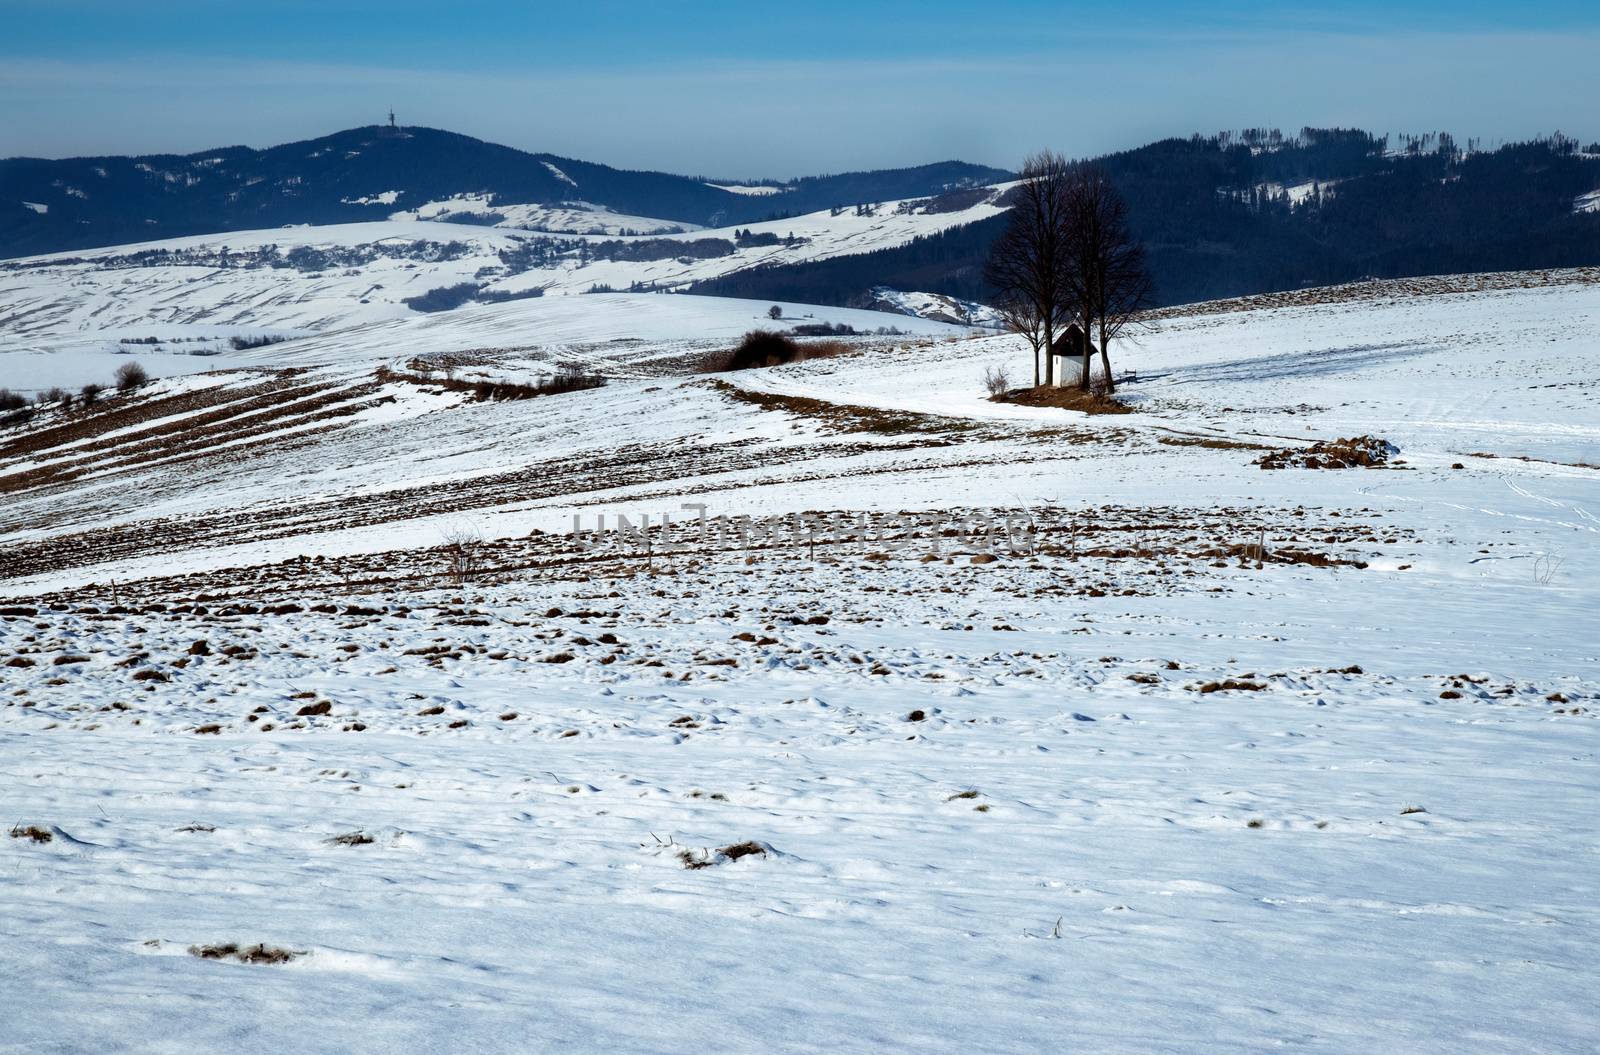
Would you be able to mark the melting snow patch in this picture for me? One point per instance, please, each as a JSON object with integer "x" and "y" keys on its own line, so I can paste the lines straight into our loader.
{"x": 388, "y": 197}
{"x": 558, "y": 174}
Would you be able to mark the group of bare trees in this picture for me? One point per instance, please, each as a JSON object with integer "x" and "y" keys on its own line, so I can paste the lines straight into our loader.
{"x": 1067, "y": 257}
{"x": 129, "y": 377}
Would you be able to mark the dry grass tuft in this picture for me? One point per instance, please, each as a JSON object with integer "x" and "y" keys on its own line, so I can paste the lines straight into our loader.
{"x": 1211, "y": 442}
{"x": 352, "y": 839}
{"x": 845, "y": 417}
{"x": 696, "y": 861}
{"x": 744, "y": 849}
{"x": 1231, "y": 685}
{"x": 692, "y": 862}
{"x": 254, "y": 954}
{"x": 32, "y": 831}
{"x": 1067, "y": 399}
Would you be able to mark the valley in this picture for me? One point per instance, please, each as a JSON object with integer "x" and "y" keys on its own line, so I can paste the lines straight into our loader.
{"x": 316, "y": 708}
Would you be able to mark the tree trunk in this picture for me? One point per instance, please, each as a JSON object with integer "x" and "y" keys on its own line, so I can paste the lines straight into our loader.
{"x": 1049, "y": 354}
{"x": 1088, "y": 350}
{"x": 1105, "y": 358}
{"x": 1035, "y": 366}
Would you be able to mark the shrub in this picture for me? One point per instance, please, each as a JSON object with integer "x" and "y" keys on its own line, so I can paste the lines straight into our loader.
{"x": 53, "y": 395}
{"x": 763, "y": 348}
{"x": 997, "y": 382}
{"x": 572, "y": 377}
{"x": 461, "y": 545}
{"x": 769, "y": 348}
{"x": 130, "y": 376}
{"x": 90, "y": 392}
{"x": 10, "y": 400}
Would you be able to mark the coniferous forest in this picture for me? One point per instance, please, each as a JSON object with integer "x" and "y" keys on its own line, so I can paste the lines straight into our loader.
{"x": 1260, "y": 211}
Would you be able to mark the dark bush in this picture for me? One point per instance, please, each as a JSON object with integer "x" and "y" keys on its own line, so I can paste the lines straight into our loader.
{"x": 770, "y": 348}
{"x": 443, "y": 298}
{"x": 243, "y": 344}
{"x": 823, "y": 329}
{"x": 90, "y": 392}
{"x": 10, "y": 400}
{"x": 763, "y": 348}
{"x": 130, "y": 376}
{"x": 500, "y": 296}
{"x": 752, "y": 240}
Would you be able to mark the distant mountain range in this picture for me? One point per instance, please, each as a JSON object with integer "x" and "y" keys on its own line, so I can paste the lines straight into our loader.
{"x": 1258, "y": 212}
{"x": 1221, "y": 216}
{"x": 369, "y": 173}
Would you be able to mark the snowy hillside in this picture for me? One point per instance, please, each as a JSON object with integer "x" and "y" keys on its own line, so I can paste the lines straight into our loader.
{"x": 1022, "y": 730}
{"x": 365, "y": 174}
{"x": 568, "y": 218}
{"x": 62, "y": 317}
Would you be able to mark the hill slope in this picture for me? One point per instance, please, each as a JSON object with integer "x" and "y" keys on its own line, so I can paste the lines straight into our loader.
{"x": 369, "y": 173}
{"x": 1226, "y": 216}
{"x": 68, "y": 319}
{"x": 1291, "y": 760}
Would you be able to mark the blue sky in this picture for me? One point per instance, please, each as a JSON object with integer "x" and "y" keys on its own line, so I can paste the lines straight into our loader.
{"x": 769, "y": 89}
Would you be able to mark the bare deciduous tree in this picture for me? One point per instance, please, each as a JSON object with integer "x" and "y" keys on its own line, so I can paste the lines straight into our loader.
{"x": 1021, "y": 316}
{"x": 1028, "y": 263}
{"x": 1106, "y": 273}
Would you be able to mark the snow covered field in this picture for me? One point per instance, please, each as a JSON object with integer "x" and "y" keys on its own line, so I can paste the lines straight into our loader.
{"x": 1220, "y": 759}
